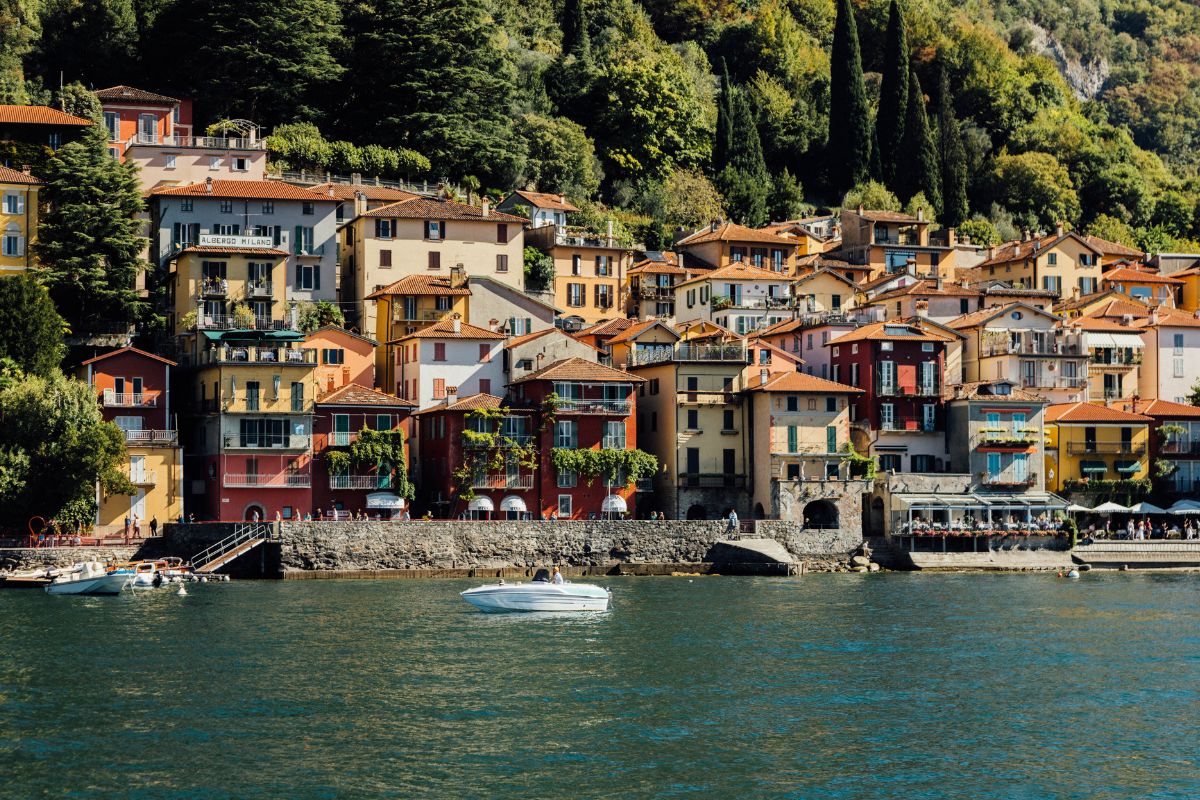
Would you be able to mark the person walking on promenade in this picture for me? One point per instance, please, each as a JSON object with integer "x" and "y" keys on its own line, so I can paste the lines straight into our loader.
{"x": 733, "y": 521}
{"x": 127, "y": 527}
{"x": 153, "y": 526}
{"x": 137, "y": 526}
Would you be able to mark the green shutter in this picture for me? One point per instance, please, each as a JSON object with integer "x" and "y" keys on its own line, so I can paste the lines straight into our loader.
{"x": 793, "y": 439}
{"x": 831, "y": 439}
{"x": 297, "y": 242}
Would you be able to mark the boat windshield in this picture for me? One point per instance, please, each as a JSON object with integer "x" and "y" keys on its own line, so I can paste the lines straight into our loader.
{"x": 541, "y": 576}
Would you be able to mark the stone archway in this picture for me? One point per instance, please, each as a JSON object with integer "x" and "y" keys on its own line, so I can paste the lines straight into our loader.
{"x": 697, "y": 511}
{"x": 759, "y": 511}
{"x": 248, "y": 514}
{"x": 820, "y": 514}
{"x": 875, "y": 520}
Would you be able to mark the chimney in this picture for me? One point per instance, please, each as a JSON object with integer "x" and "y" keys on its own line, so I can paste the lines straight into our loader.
{"x": 1058, "y": 228}
{"x": 610, "y": 231}
{"x": 457, "y": 323}
{"x": 356, "y": 178}
{"x": 958, "y": 391}
{"x": 921, "y": 214}
{"x": 208, "y": 184}
{"x": 712, "y": 226}
{"x": 991, "y": 252}
{"x": 860, "y": 209}
{"x": 562, "y": 198}
{"x": 360, "y": 204}
{"x": 458, "y": 276}
{"x": 26, "y": 169}
{"x": 486, "y": 207}
{"x": 1153, "y": 317}
{"x": 330, "y": 191}
{"x": 1133, "y": 404}
{"x": 1025, "y": 234}
{"x": 451, "y": 395}
{"x": 763, "y": 374}
{"x": 952, "y": 237}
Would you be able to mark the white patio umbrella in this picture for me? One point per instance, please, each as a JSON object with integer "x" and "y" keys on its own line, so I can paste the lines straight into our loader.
{"x": 1110, "y": 508}
{"x": 1146, "y": 508}
{"x": 1075, "y": 508}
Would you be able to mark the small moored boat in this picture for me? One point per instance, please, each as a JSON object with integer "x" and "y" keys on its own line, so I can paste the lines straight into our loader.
{"x": 538, "y": 595}
{"x": 90, "y": 577}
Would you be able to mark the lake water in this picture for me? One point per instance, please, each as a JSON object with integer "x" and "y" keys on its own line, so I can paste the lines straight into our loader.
{"x": 828, "y": 686}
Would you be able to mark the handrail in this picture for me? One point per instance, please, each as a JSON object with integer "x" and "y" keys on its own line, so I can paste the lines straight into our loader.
{"x": 242, "y": 533}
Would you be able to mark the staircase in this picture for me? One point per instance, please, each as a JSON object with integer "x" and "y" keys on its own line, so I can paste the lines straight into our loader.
{"x": 246, "y": 536}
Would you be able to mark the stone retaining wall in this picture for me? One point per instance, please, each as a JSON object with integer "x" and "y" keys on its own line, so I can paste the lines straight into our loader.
{"x": 20, "y": 559}
{"x": 498, "y": 544}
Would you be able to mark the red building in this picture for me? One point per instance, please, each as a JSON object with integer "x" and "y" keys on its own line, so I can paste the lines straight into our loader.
{"x": 339, "y": 417}
{"x": 899, "y": 366}
{"x": 595, "y": 409}
{"x": 1174, "y": 438}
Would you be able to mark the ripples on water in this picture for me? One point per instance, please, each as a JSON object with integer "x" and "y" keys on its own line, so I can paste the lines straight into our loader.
{"x": 830, "y": 686}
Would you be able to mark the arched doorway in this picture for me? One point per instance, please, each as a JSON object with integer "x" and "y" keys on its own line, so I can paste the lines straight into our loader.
{"x": 820, "y": 514}
{"x": 696, "y": 512}
{"x": 876, "y": 518}
{"x": 759, "y": 511}
{"x": 248, "y": 514}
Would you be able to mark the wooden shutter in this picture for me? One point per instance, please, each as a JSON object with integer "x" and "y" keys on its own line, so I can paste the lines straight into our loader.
{"x": 426, "y": 229}
{"x": 296, "y": 243}
{"x": 299, "y": 275}
{"x": 502, "y": 233}
{"x": 316, "y": 277}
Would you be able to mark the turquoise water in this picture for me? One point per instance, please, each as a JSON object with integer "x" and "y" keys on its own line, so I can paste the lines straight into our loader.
{"x": 829, "y": 686}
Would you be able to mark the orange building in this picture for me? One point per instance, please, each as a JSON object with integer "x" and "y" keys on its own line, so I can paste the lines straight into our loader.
{"x": 342, "y": 358}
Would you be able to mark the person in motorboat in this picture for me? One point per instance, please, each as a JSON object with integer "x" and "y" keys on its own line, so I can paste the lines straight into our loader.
{"x": 558, "y": 578}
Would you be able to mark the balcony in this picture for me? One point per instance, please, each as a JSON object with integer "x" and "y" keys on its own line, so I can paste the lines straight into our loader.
{"x": 290, "y": 480}
{"x": 145, "y": 477}
{"x": 502, "y": 482}
{"x": 1066, "y": 345}
{"x": 1028, "y": 382}
{"x": 217, "y": 288}
{"x": 151, "y": 437}
{"x": 285, "y": 442}
{"x": 500, "y": 439}
{"x": 721, "y": 302}
{"x": 711, "y": 480}
{"x": 730, "y": 353}
{"x": 645, "y": 485}
{"x": 1181, "y": 448}
{"x": 1009, "y": 481}
{"x": 1106, "y": 448}
{"x": 424, "y": 315}
{"x": 342, "y": 438}
{"x": 112, "y": 399}
{"x": 1105, "y": 359}
{"x": 197, "y": 142}
{"x": 1006, "y": 437}
{"x": 612, "y": 443}
{"x": 924, "y": 390}
{"x": 606, "y": 407}
{"x": 259, "y": 355}
{"x": 906, "y": 425}
{"x": 360, "y": 482}
{"x": 225, "y": 322}
{"x": 306, "y": 249}
{"x": 661, "y": 293}
{"x": 260, "y": 290}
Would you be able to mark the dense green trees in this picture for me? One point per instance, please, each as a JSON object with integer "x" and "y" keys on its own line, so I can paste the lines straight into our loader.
{"x": 893, "y": 94}
{"x": 952, "y": 156}
{"x": 918, "y": 170}
{"x": 849, "y": 117}
{"x": 744, "y": 181}
{"x": 31, "y": 329}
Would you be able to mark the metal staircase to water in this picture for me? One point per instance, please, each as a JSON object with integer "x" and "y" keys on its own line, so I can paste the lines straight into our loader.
{"x": 246, "y": 536}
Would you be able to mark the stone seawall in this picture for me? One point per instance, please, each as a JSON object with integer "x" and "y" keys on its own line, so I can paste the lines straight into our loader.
{"x": 498, "y": 544}
{"x": 20, "y": 559}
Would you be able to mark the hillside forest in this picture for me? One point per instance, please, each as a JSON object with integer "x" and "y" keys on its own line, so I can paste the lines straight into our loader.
{"x": 994, "y": 115}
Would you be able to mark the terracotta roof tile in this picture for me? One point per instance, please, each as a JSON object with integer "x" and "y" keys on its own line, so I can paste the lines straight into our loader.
{"x": 354, "y": 395}
{"x": 608, "y": 328}
{"x": 927, "y": 288}
{"x": 420, "y": 285}
{"x": 1113, "y": 248}
{"x": 982, "y": 315}
{"x": 16, "y": 176}
{"x": 704, "y": 329}
{"x": 732, "y": 232}
{"x": 39, "y": 115}
{"x": 1159, "y": 408}
{"x": 431, "y": 208}
{"x": 1090, "y": 412}
{"x": 117, "y": 94}
{"x": 1169, "y": 318}
{"x": 1098, "y": 325}
{"x": 348, "y": 191}
{"x": 579, "y": 369}
{"x": 1122, "y": 308}
{"x": 892, "y": 331}
{"x": 888, "y": 216}
{"x": 635, "y": 330}
{"x": 553, "y": 202}
{"x": 121, "y": 350}
{"x": 1019, "y": 251}
{"x": 982, "y": 390}
{"x": 738, "y": 272}
{"x": 234, "y": 251}
{"x": 444, "y": 329}
{"x": 248, "y": 190}
{"x": 800, "y": 382}
{"x": 472, "y": 402}
{"x": 1129, "y": 275}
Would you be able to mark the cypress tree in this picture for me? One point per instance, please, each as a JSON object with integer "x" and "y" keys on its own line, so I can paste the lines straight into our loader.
{"x": 745, "y": 181}
{"x": 849, "y": 117}
{"x": 953, "y": 156}
{"x": 576, "y": 39}
{"x": 918, "y": 171}
{"x": 893, "y": 94}
{"x": 723, "y": 143}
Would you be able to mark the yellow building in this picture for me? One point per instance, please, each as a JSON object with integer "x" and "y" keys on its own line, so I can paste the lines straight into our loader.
{"x": 1145, "y": 285}
{"x": 230, "y": 287}
{"x": 589, "y": 273}
{"x": 409, "y": 304}
{"x": 18, "y": 220}
{"x": 890, "y": 241}
{"x": 1189, "y": 294}
{"x": 724, "y": 243}
{"x": 1088, "y": 441}
{"x": 1063, "y": 263}
{"x": 823, "y": 291}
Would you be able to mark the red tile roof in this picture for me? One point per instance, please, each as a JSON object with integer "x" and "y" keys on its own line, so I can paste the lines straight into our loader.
{"x": 888, "y": 216}
{"x": 1098, "y": 324}
{"x": 1159, "y": 408}
{"x": 1169, "y": 318}
{"x": 554, "y": 202}
{"x": 608, "y": 328}
{"x": 799, "y": 382}
{"x": 579, "y": 369}
{"x": 517, "y": 341}
{"x": 39, "y": 115}
{"x": 1113, "y": 248}
{"x": 16, "y": 176}
{"x": 1090, "y": 412}
{"x": 738, "y": 272}
{"x": 233, "y": 251}
{"x": 420, "y": 285}
{"x": 1129, "y": 275}
{"x": 431, "y": 208}
{"x": 1019, "y": 251}
{"x": 983, "y": 315}
{"x": 117, "y": 94}
{"x": 445, "y": 330}
{"x": 243, "y": 190}
{"x": 879, "y": 332}
{"x": 473, "y": 402}
{"x": 927, "y": 288}
{"x": 348, "y": 191}
{"x": 1121, "y": 308}
{"x": 732, "y": 232}
{"x": 981, "y": 390}
{"x": 638, "y": 328}
{"x": 354, "y": 395}
{"x": 134, "y": 350}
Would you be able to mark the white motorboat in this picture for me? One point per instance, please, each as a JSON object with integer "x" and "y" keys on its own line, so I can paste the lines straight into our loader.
{"x": 538, "y": 595}
{"x": 90, "y": 577}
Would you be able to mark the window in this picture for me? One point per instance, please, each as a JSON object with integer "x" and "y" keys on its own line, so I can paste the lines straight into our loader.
{"x": 835, "y": 302}
{"x": 434, "y": 230}
{"x": 439, "y": 388}
{"x": 385, "y": 259}
{"x": 604, "y": 296}
{"x": 439, "y": 351}
{"x": 226, "y": 206}
{"x": 812, "y": 404}
{"x": 485, "y": 385}
{"x": 693, "y": 420}
{"x": 226, "y": 229}
{"x": 185, "y": 206}
{"x": 727, "y": 420}
{"x": 614, "y": 435}
{"x": 13, "y": 242}
{"x": 333, "y": 356}
{"x": 576, "y": 264}
{"x": 854, "y": 349}
{"x": 1052, "y": 260}
{"x": 485, "y": 353}
{"x": 564, "y": 505}
{"x": 170, "y": 162}
{"x": 1087, "y": 286}
{"x": 993, "y": 465}
{"x": 926, "y": 347}
{"x": 385, "y": 228}
{"x": 793, "y": 438}
{"x": 887, "y": 377}
{"x": 1177, "y": 342}
{"x": 929, "y": 417}
{"x": 1052, "y": 283}
{"x": 112, "y": 123}
{"x": 837, "y": 351}
{"x": 889, "y": 462}
{"x": 297, "y": 396}
{"x": 308, "y": 209}
{"x": 575, "y": 294}
{"x": 831, "y": 405}
{"x": 653, "y": 421}
{"x": 831, "y": 439}
{"x": 308, "y": 277}
{"x": 654, "y": 386}
{"x": 501, "y": 263}
{"x": 854, "y": 374}
{"x": 566, "y": 434}
{"x": 214, "y": 162}
{"x": 887, "y": 416}
{"x": 502, "y": 233}
{"x": 435, "y": 259}
{"x": 793, "y": 402}
{"x": 886, "y": 346}
{"x": 252, "y": 395}
{"x": 567, "y": 480}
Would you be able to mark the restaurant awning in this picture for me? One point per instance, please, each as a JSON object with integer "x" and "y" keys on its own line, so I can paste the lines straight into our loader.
{"x": 513, "y": 503}
{"x": 614, "y": 504}
{"x": 1093, "y": 467}
{"x": 1110, "y": 508}
{"x": 387, "y": 500}
{"x": 1128, "y": 467}
{"x": 1127, "y": 340}
{"x": 481, "y": 504}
